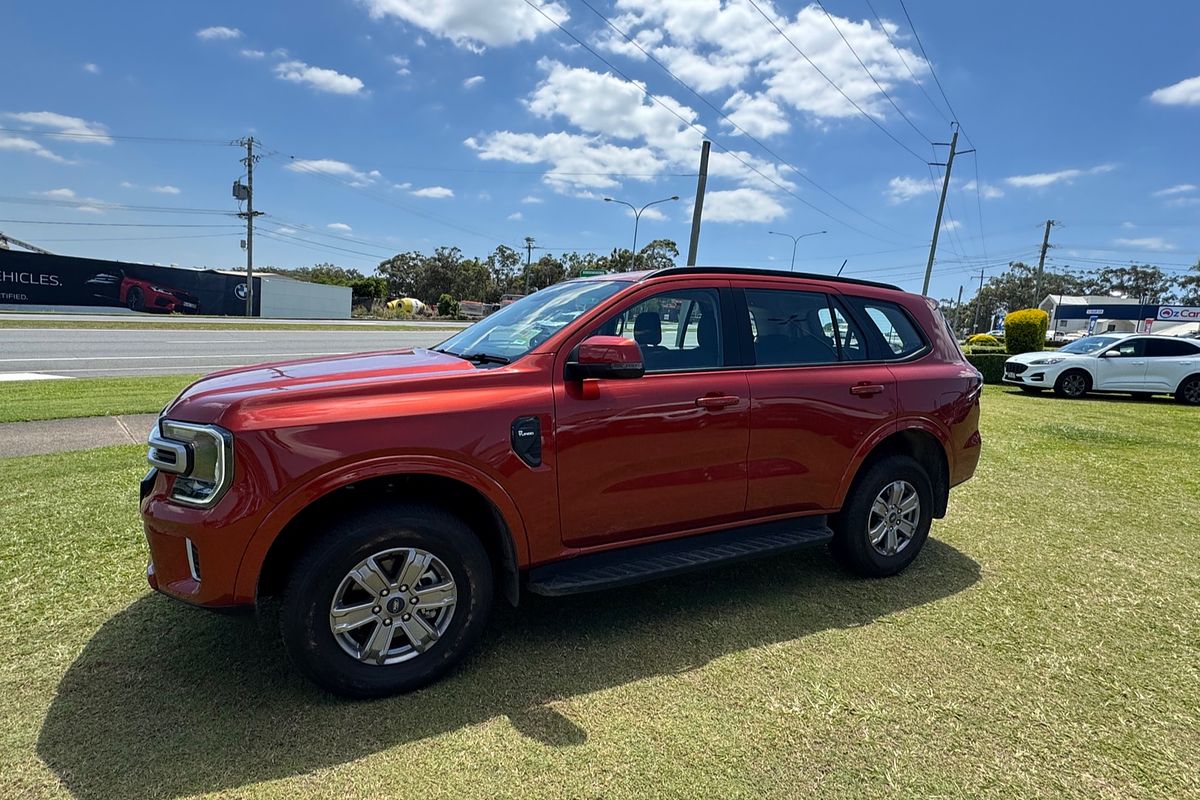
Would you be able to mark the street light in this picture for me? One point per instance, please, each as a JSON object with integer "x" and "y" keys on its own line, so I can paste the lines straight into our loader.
{"x": 637, "y": 217}
{"x": 795, "y": 241}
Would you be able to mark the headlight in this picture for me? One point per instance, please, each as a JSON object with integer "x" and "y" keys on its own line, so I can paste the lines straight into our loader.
{"x": 159, "y": 289}
{"x": 200, "y": 455}
{"x": 1046, "y": 361}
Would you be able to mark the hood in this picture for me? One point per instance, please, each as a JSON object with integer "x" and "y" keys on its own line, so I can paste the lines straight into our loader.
{"x": 231, "y": 397}
{"x": 1029, "y": 358}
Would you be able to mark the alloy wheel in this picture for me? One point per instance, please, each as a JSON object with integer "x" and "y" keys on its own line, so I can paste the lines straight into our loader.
{"x": 894, "y": 517}
{"x": 1191, "y": 392}
{"x": 1074, "y": 385}
{"x": 393, "y": 606}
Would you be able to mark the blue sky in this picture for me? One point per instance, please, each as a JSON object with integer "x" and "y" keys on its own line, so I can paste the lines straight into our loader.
{"x": 392, "y": 125}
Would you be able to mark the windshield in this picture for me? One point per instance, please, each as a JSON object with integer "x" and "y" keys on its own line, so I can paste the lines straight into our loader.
{"x": 516, "y": 329}
{"x": 1088, "y": 344}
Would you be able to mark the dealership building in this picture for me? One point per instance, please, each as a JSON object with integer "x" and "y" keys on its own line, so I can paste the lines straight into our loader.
{"x": 1104, "y": 314}
{"x": 37, "y": 281}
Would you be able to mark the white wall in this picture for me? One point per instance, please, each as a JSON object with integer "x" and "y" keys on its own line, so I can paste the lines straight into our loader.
{"x": 287, "y": 299}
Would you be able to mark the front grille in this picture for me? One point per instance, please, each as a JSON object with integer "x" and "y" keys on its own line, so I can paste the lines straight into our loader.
{"x": 1015, "y": 369}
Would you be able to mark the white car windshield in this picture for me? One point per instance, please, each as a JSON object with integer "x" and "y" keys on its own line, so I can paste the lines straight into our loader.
{"x": 1089, "y": 344}
{"x": 516, "y": 329}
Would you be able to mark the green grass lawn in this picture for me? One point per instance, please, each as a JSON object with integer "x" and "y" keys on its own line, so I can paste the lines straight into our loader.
{"x": 1046, "y": 643}
{"x": 22, "y": 401}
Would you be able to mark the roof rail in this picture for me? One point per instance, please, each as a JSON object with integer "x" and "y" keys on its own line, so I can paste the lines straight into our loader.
{"x": 772, "y": 273}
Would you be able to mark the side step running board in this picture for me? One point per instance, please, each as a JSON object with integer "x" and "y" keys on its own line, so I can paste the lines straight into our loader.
{"x": 629, "y": 565}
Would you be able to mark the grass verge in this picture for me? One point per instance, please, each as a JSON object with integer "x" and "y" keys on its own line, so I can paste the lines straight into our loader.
{"x": 25, "y": 401}
{"x": 1046, "y": 643}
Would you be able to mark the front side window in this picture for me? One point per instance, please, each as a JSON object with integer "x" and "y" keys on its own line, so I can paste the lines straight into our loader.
{"x": 792, "y": 327}
{"x": 676, "y": 331}
{"x": 1130, "y": 348}
{"x": 897, "y": 330}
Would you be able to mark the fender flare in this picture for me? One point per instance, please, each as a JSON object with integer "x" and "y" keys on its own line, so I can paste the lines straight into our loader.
{"x": 873, "y": 441}
{"x": 267, "y": 532}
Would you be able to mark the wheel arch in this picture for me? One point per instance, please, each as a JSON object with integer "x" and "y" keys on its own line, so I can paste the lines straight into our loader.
{"x": 1182, "y": 381}
{"x": 912, "y": 438}
{"x": 475, "y": 499}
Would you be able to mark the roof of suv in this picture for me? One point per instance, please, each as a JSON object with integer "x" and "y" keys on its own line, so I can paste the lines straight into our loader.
{"x": 641, "y": 275}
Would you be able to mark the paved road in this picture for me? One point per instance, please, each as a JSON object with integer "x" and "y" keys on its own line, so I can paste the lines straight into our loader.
{"x": 184, "y": 321}
{"x": 83, "y": 353}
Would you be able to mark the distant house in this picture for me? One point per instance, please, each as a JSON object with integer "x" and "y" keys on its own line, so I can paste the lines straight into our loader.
{"x": 1072, "y": 314}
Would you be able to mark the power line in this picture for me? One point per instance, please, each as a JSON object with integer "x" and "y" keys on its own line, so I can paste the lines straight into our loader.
{"x": 141, "y": 238}
{"x": 112, "y": 136}
{"x": 932, "y": 72}
{"x": 850, "y": 100}
{"x": 317, "y": 246}
{"x": 695, "y": 127}
{"x": 871, "y": 75}
{"x": 125, "y": 224}
{"x": 904, "y": 61}
{"x": 799, "y": 172}
{"x": 100, "y": 204}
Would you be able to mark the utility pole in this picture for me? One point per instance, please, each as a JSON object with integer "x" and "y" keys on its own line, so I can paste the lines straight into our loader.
{"x": 957, "y": 308}
{"x": 247, "y": 193}
{"x": 528, "y": 260}
{"x": 698, "y": 209}
{"x": 978, "y": 300}
{"x": 937, "y": 225}
{"x": 1037, "y": 287}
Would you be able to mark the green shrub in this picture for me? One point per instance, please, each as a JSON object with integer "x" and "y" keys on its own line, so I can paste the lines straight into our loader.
{"x": 990, "y": 364}
{"x": 980, "y": 349}
{"x": 447, "y": 306}
{"x": 1025, "y": 331}
{"x": 984, "y": 339}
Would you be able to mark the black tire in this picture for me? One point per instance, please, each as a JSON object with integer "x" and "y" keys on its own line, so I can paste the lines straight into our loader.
{"x": 851, "y": 544}
{"x": 305, "y": 609}
{"x": 1073, "y": 384}
{"x": 135, "y": 300}
{"x": 1188, "y": 392}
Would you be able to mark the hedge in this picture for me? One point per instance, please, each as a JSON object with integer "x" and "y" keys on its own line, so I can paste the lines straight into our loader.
{"x": 1025, "y": 331}
{"x": 990, "y": 364}
{"x": 984, "y": 340}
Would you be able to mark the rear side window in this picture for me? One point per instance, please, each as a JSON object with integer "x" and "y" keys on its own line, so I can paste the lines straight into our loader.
{"x": 1166, "y": 348}
{"x": 897, "y": 332}
{"x": 793, "y": 327}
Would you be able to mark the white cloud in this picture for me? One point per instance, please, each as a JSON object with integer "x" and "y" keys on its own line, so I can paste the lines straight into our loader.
{"x": 951, "y": 225}
{"x": 1183, "y": 202}
{"x": 165, "y": 189}
{"x": 516, "y": 216}
{"x": 757, "y": 114}
{"x": 1184, "y": 93}
{"x": 531, "y": 199}
{"x": 986, "y": 190}
{"x": 88, "y": 205}
{"x": 438, "y": 192}
{"x": 473, "y": 81}
{"x": 84, "y": 130}
{"x": 23, "y": 145}
{"x": 741, "y": 205}
{"x": 1156, "y": 243}
{"x": 901, "y": 189}
{"x": 339, "y": 226}
{"x": 59, "y": 194}
{"x": 336, "y": 169}
{"x": 256, "y": 54}
{"x": 473, "y": 24}
{"x": 218, "y": 32}
{"x": 1040, "y": 180}
{"x": 651, "y": 214}
{"x": 89, "y": 67}
{"x": 401, "y": 65}
{"x": 319, "y": 78}
{"x": 128, "y": 185}
{"x": 1179, "y": 188}
{"x": 575, "y": 161}
{"x": 1128, "y": 226}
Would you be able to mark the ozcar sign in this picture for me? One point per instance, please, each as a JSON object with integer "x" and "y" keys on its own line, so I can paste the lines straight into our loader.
{"x": 1179, "y": 313}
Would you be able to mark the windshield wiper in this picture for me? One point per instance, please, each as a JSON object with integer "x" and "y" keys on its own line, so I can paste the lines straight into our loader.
{"x": 483, "y": 358}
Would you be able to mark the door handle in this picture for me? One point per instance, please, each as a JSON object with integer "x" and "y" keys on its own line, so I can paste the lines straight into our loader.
{"x": 711, "y": 401}
{"x": 866, "y": 389}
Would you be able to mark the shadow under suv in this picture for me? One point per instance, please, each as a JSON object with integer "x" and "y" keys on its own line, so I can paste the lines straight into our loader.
{"x": 594, "y": 434}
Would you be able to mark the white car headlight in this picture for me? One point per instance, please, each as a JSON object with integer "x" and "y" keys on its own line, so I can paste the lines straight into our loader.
{"x": 1046, "y": 361}
{"x": 200, "y": 455}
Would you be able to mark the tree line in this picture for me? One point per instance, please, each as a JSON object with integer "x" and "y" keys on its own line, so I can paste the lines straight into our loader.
{"x": 447, "y": 271}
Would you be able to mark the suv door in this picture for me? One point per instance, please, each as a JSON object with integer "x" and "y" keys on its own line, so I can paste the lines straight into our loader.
{"x": 1168, "y": 362}
{"x": 666, "y": 452}
{"x": 818, "y": 387}
{"x": 1122, "y": 367}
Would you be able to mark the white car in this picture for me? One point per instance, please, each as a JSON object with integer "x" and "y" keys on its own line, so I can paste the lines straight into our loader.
{"x": 1135, "y": 363}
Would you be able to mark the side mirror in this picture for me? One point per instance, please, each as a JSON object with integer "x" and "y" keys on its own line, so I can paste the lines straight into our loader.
{"x": 1111, "y": 354}
{"x": 605, "y": 357}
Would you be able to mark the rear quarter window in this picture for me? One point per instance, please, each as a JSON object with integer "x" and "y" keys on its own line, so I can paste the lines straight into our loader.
{"x": 897, "y": 335}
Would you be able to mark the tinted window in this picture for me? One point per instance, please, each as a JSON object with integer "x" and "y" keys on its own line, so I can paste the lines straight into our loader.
{"x": 854, "y": 346}
{"x": 792, "y": 327}
{"x": 897, "y": 331}
{"x": 676, "y": 330}
{"x": 1168, "y": 348}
